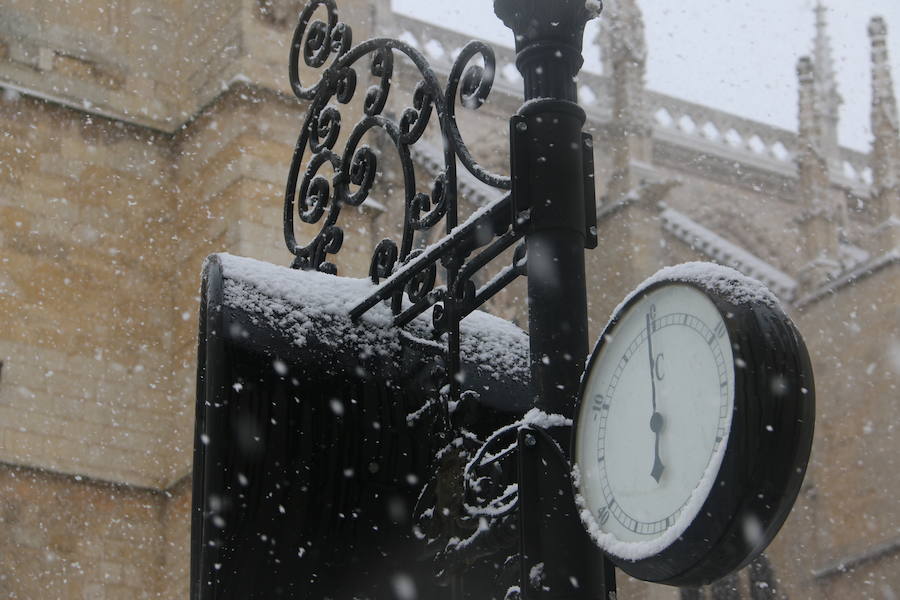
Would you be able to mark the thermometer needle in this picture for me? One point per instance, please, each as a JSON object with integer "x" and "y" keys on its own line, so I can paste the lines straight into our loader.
{"x": 656, "y": 419}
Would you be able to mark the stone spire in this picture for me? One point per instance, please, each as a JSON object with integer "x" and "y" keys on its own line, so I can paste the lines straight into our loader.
{"x": 624, "y": 49}
{"x": 885, "y": 156}
{"x": 828, "y": 100}
{"x": 817, "y": 221}
{"x": 625, "y": 58}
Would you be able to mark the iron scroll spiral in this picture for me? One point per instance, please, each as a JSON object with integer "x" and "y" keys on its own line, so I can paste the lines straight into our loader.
{"x": 326, "y": 45}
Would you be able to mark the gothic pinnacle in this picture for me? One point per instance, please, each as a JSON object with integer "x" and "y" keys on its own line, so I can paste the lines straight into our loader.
{"x": 817, "y": 221}
{"x": 885, "y": 154}
{"x": 827, "y": 98}
{"x": 883, "y": 99}
{"x": 823, "y": 62}
{"x": 806, "y": 115}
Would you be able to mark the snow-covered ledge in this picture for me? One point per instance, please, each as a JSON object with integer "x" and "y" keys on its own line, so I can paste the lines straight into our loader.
{"x": 311, "y": 308}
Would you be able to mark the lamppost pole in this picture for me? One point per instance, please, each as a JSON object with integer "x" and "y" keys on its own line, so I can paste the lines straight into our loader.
{"x": 548, "y": 178}
{"x": 552, "y": 182}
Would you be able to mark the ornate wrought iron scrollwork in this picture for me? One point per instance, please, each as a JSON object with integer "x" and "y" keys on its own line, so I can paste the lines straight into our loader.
{"x": 412, "y": 280}
{"x": 325, "y": 44}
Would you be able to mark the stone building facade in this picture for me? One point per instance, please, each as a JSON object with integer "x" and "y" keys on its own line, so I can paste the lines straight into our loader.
{"x": 137, "y": 138}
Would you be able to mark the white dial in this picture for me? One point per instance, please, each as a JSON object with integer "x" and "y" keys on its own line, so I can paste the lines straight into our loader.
{"x": 654, "y": 419}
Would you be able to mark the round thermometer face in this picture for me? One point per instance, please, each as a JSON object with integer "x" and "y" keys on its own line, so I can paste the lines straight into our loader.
{"x": 654, "y": 418}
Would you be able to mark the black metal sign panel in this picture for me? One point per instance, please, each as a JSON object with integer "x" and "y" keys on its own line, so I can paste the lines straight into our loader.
{"x": 310, "y": 459}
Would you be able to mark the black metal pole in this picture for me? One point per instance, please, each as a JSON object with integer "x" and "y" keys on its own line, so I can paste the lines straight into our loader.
{"x": 547, "y": 148}
{"x": 549, "y": 181}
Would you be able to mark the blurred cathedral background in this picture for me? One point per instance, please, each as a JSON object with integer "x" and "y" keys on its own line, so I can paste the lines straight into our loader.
{"x": 137, "y": 138}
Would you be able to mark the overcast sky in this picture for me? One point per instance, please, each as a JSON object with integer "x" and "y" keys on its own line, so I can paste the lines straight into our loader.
{"x": 735, "y": 55}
